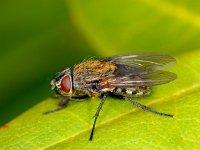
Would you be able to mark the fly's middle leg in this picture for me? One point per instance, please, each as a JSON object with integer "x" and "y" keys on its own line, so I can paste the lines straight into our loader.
{"x": 97, "y": 115}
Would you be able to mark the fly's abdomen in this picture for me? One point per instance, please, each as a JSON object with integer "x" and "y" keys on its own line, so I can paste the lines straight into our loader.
{"x": 133, "y": 91}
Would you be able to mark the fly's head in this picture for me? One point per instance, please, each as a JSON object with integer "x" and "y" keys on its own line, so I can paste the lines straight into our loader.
{"x": 62, "y": 83}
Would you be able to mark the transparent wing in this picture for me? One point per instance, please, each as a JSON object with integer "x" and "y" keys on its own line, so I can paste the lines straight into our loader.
{"x": 151, "y": 79}
{"x": 141, "y": 63}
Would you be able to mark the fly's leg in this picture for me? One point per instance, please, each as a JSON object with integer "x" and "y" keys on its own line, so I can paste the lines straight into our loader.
{"x": 62, "y": 104}
{"x": 147, "y": 108}
{"x": 79, "y": 99}
{"x": 138, "y": 92}
{"x": 97, "y": 115}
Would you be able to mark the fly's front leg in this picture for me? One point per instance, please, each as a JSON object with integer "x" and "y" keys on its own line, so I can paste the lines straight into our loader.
{"x": 62, "y": 104}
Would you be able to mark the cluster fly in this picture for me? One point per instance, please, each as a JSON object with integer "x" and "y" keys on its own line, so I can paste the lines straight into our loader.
{"x": 124, "y": 76}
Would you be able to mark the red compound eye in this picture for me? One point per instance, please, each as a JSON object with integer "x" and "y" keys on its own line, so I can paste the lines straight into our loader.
{"x": 66, "y": 84}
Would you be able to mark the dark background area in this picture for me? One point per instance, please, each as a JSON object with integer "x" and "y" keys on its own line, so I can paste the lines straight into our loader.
{"x": 37, "y": 39}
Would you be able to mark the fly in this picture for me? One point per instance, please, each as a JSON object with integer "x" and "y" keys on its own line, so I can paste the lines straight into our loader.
{"x": 124, "y": 76}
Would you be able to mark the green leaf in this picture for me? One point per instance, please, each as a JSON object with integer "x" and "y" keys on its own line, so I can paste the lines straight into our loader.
{"x": 110, "y": 27}
{"x": 145, "y": 25}
{"x": 120, "y": 125}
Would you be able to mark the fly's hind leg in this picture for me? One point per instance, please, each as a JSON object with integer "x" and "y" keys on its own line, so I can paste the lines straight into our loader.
{"x": 126, "y": 94}
{"x": 147, "y": 108}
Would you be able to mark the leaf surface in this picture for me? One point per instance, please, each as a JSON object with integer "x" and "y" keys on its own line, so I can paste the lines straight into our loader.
{"x": 111, "y": 27}
{"x": 120, "y": 124}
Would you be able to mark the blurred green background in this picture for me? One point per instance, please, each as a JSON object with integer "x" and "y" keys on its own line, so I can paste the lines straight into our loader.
{"x": 40, "y": 37}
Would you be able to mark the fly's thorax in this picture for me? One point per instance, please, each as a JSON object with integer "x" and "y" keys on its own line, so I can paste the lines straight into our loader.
{"x": 63, "y": 83}
{"x": 133, "y": 91}
{"x": 93, "y": 70}
{"x": 89, "y": 76}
